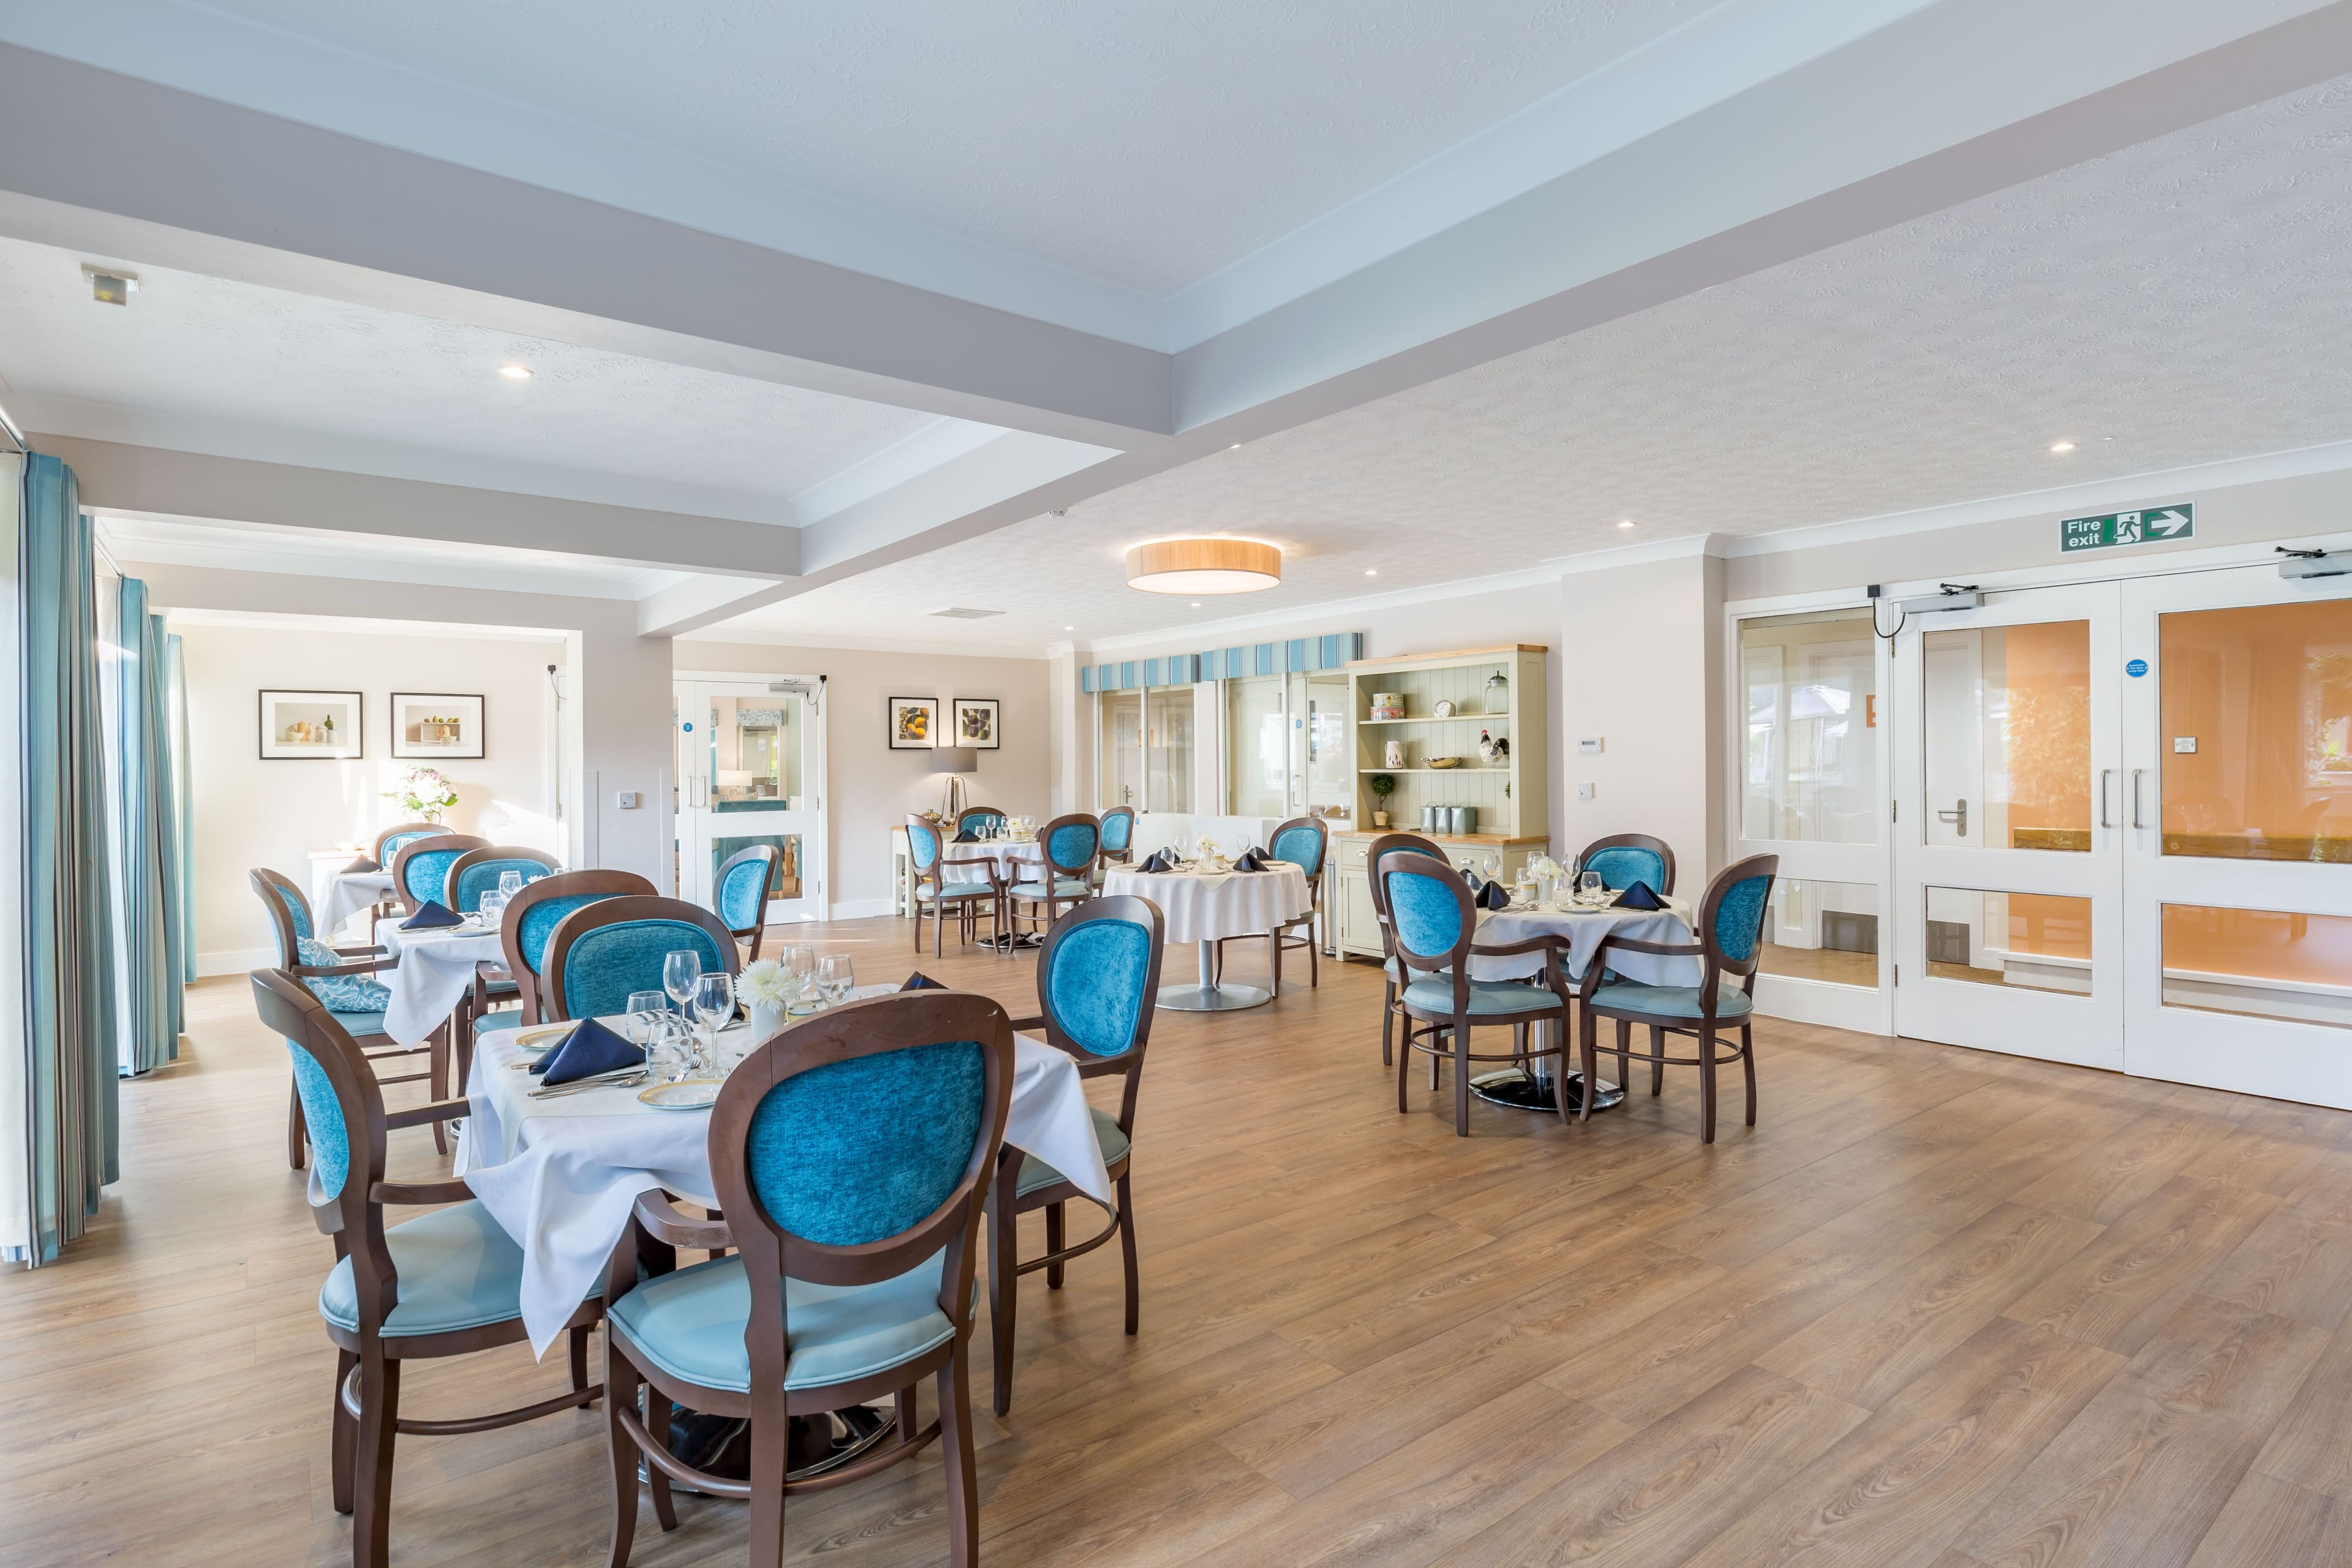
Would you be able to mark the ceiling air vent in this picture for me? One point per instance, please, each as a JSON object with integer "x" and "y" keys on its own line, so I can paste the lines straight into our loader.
{"x": 956, "y": 615}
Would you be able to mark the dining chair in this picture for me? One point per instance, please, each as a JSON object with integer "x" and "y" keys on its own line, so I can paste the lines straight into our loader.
{"x": 1066, "y": 878}
{"x": 1118, "y": 835}
{"x": 600, "y": 953}
{"x": 1625, "y": 859}
{"x": 478, "y": 870}
{"x": 530, "y": 921}
{"x": 850, "y": 1154}
{"x": 421, "y": 869}
{"x": 343, "y": 979}
{"x": 1393, "y": 973}
{"x": 934, "y": 895}
{"x": 446, "y": 1283}
{"x": 974, "y": 818}
{"x": 1098, "y": 984}
{"x": 1303, "y": 841}
{"x": 388, "y": 844}
{"x": 751, "y": 875}
{"x": 1731, "y": 938}
{"x": 1434, "y": 924}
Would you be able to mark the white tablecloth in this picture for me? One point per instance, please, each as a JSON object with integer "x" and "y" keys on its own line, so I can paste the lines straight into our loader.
{"x": 437, "y": 968}
{"x": 336, "y": 895}
{"x": 1203, "y": 908}
{"x": 561, "y": 1175}
{"x": 1584, "y": 929}
{"x": 1015, "y": 862}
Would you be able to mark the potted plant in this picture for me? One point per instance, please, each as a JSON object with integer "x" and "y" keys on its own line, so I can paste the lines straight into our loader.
{"x": 1381, "y": 786}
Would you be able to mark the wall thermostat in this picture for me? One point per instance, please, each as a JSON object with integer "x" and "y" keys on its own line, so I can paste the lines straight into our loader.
{"x": 1588, "y": 746}
{"x": 627, "y": 800}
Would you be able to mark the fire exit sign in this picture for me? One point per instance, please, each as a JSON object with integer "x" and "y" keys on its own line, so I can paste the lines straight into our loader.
{"x": 2149, "y": 526}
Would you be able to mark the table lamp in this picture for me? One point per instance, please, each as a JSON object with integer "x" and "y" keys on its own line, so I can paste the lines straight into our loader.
{"x": 955, "y": 762}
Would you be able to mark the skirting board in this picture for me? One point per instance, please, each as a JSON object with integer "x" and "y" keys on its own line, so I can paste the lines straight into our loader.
{"x": 235, "y": 961}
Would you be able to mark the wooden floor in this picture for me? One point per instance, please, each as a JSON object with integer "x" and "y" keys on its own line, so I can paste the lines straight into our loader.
{"x": 1943, "y": 1308}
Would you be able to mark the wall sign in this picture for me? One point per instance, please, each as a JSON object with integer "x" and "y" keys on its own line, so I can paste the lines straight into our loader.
{"x": 2152, "y": 526}
{"x": 2135, "y": 668}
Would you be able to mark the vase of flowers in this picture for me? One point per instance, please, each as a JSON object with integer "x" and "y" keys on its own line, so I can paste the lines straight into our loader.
{"x": 769, "y": 990}
{"x": 423, "y": 793}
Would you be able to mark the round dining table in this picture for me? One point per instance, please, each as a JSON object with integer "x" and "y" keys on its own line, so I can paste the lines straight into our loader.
{"x": 1204, "y": 907}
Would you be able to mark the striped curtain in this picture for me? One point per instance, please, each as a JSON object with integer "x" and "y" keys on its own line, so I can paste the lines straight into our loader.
{"x": 149, "y": 833}
{"x": 69, "y": 1029}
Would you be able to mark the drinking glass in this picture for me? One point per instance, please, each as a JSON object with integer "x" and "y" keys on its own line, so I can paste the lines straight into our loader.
{"x": 1492, "y": 864}
{"x": 509, "y": 883}
{"x": 1526, "y": 880}
{"x": 649, "y": 1026}
{"x": 800, "y": 962}
{"x": 492, "y": 908}
{"x": 714, "y": 1005}
{"x": 835, "y": 978}
{"x": 680, "y": 970}
{"x": 1589, "y": 890}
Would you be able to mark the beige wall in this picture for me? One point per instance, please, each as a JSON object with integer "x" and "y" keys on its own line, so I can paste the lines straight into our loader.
{"x": 872, "y": 788}
{"x": 247, "y": 812}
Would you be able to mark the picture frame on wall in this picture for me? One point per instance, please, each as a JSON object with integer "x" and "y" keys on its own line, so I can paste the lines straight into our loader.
{"x": 312, "y": 726}
{"x": 914, "y": 723}
{"x": 442, "y": 725}
{"x": 976, "y": 723}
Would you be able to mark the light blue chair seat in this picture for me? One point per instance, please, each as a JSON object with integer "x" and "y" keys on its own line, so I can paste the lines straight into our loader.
{"x": 1036, "y": 1174}
{"x": 690, "y": 1324}
{"x": 1488, "y": 998}
{"x": 954, "y": 890}
{"x": 1394, "y": 970}
{"x": 1064, "y": 887}
{"x": 358, "y": 1025}
{"x": 457, "y": 1268}
{"x": 490, "y": 1024}
{"x": 1670, "y": 1000}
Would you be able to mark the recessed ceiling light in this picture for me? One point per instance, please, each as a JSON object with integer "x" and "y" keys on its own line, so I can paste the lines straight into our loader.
{"x": 2062, "y": 445}
{"x": 1196, "y": 604}
{"x": 1234, "y": 448}
{"x": 1627, "y": 523}
{"x": 515, "y": 372}
{"x": 1069, "y": 628}
{"x": 1372, "y": 571}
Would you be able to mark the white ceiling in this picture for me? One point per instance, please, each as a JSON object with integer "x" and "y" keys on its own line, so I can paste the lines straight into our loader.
{"x": 2185, "y": 301}
{"x": 199, "y": 364}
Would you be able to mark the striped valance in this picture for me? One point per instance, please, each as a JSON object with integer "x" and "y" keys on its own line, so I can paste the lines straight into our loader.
{"x": 1225, "y": 663}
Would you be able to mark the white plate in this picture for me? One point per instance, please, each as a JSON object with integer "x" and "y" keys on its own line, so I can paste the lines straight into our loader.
{"x": 540, "y": 1036}
{"x": 693, "y": 1094}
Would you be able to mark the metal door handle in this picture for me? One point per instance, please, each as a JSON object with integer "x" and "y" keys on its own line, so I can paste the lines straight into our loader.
{"x": 1958, "y": 817}
{"x": 2106, "y": 818}
{"x": 2137, "y": 774}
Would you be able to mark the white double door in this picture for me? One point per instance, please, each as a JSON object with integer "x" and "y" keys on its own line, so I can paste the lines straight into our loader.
{"x": 2122, "y": 820}
{"x": 750, "y": 770}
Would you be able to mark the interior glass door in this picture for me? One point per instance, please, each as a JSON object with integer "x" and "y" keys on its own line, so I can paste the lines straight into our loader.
{"x": 2009, "y": 846}
{"x": 2239, "y": 740}
{"x": 752, "y": 771}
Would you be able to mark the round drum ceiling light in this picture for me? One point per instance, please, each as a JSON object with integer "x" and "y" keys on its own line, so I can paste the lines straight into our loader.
{"x": 1204, "y": 567}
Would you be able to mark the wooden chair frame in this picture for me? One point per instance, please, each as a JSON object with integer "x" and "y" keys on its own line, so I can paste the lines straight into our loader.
{"x": 488, "y": 975}
{"x": 1704, "y": 1030}
{"x": 770, "y": 1254}
{"x": 1006, "y": 1205}
{"x": 1658, "y": 846}
{"x": 529, "y": 986}
{"x": 366, "y": 961}
{"x": 614, "y": 912}
{"x": 367, "y": 1361}
{"x": 1278, "y": 938}
{"x": 460, "y": 841}
{"x": 1042, "y": 912}
{"x": 968, "y": 911}
{"x": 1392, "y": 1010}
{"x": 1125, "y": 854}
{"x": 391, "y": 904}
{"x": 969, "y": 812}
{"x": 1457, "y": 1022}
{"x": 775, "y": 859}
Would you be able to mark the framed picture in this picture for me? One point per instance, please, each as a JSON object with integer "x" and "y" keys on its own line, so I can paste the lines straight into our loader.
{"x": 437, "y": 725}
{"x": 914, "y": 723}
{"x": 975, "y": 724}
{"x": 321, "y": 725}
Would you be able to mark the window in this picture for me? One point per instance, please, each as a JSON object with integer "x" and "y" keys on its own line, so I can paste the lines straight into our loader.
{"x": 1811, "y": 773}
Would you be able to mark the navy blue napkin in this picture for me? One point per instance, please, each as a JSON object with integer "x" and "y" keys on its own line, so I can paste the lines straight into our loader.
{"x": 586, "y": 1051}
{"x": 360, "y": 865}
{"x": 1494, "y": 895}
{"x": 431, "y": 915}
{"x": 1252, "y": 859}
{"x": 1638, "y": 897}
{"x": 919, "y": 981}
{"x": 1161, "y": 860}
{"x": 966, "y": 836}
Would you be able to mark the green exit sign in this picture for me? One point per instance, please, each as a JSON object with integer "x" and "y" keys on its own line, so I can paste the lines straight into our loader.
{"x": 2149, "y": 526}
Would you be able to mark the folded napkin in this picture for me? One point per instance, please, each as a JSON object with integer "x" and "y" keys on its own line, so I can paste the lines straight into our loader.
{"x": 1254, "y": 860}
{"x": 1161, "y": 860}
{"x": 919, "y": 981}
{"x": 966, "y": 836}
{"x": 586, "y": 1051}
{"x": 1493, "y": 896}
{"x": 1638, "y": 897}
{"x": 431, "y": 915}
{"x": 360, "y": 865}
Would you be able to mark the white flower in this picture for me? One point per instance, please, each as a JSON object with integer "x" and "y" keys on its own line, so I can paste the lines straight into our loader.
{"x": 1544, "y": 866}
{"x": 764, "y": 983}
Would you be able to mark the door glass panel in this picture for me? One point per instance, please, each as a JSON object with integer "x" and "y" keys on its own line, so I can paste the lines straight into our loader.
{"x": 1811, "y": 760}
{"x": 1823, "y": 931}
{"x": 2259, "y": 961}
{"x": 2007, "y": 737}
{"x": 1167, "y": 747}
{"x": 1330, "y": 764}
{"x": 755, "y": 745}
{"x": 1122, "y": 756}
{"x": 2039, "y": 942}
{"x": 2256, "y": 748}
{"x": 1254, "y": 722}
{"x": 790, "y": 843}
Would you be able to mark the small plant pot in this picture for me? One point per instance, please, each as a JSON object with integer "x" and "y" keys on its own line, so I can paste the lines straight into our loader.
{"x": 1379, "y": 820}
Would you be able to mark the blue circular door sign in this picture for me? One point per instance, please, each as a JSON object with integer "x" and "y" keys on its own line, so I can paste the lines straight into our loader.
{"x": 2135, "y": 668}
{"x": 689, "y": 729}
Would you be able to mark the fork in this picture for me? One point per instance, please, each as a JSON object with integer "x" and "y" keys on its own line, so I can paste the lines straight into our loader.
{"x": 617, "y": 1080}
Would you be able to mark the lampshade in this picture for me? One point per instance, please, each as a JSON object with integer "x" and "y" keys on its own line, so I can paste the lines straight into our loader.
{"x": 955, "y": 760}
{"x": 1204, "y": 567}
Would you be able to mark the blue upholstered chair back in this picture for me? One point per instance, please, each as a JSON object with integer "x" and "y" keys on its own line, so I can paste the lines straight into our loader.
{"x": 1621, "y": 866}
{"x": 1401, "y": 844}
{"x": 394, "y": 843}
{"x": 743, "y": 892}
{"x": 481, "y": 877}
{"x": 537, "y": 926}
{"x": 604, "y": 964}
{"x": 427, "y": 874}
{"x": 276, "y": 891}
{"x": 1301, "y": 844}
{"x": 1094, "y": 978}
{"x": 322, "y": 1117}
{"x": 290, "y": 1012}
{"x": 1118, "y": 829}
{"x": 979, "y": 821}
{"x": 1428, "y": 905}
{"x": 1736, "y": 932}
{"x": 922, "y": 843}
{"x": 1071, "y": 844}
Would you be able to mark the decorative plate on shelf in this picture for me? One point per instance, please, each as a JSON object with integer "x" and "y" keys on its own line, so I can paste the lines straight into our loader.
{"x": 1444, "y": 762}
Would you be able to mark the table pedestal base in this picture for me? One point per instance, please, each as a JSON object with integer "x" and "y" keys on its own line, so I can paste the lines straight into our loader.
{"x": 819, "y": 1443}
{"x": 1527, "y": 1091}
{"x": 1208, "y": 997}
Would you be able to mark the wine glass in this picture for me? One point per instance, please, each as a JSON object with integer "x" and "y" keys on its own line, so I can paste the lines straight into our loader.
{"x": 714, "y": 1005}
{"x": 835, "y": 978}
{"x": 509, "y": 883}
{"x": 1589, "y": 888}
{"x": 680, "y": 971}
{"x": 491, "y": 909}
{"x": 800, "y": 962}
{"x": 1527, "y": 883}
{"x": 649, "y": 1026}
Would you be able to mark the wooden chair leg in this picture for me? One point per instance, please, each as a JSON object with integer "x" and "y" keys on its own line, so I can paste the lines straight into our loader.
{"x": 656, "y": 1418}
{"x": 1588, "y": 1039}
{"x": 1433, "y": 1064}
{"x": 1126, "y": 1252}
{"x": 438, "y": 1080}
{"x": 1054, "y": 1242}
{"x": 371, "y": 1460}
{"x": 1388, "y": 1025}
{"x": 1657, "y": 1061}
{"x": 770, "y": 1442}
{"x": 1461, "y": 1077}
{"x": 918, "y": 913}
{"x": 1705, "y": 1082}
{"x": 1003, "y": 1281}
{"x": 347, "y": 1433}
{"x": 955, "y": 1450}
{"x": 1274, "y": 960}
{"x": 298, "y": 1135}
{"x": 621, "y": 1393}
{"x": 579, "y": 1337}
{"x": 1314, "y": 958}
{"x": 1748, "y": 1066}
{"x": 1625, "y": 1050}
{"x": 904, "y": 1402}
{"x": 1404, "y": 1061}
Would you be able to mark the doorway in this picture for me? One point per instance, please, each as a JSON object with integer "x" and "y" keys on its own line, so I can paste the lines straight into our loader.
{"x": 750, "y": 771}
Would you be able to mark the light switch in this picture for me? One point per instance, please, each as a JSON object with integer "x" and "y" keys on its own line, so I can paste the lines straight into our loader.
{"x": 1588, "y": 745}
{"x": 2186, "y": 745}
{"x": 1584, "y": 792}
{"x": 627, "y": 800}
